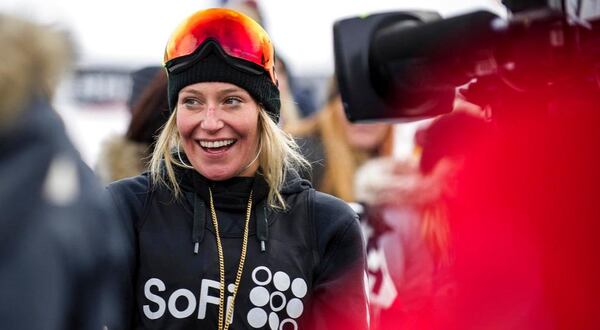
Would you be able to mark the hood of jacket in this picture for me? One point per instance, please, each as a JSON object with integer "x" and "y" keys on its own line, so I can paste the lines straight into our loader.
{"x": 294, "y": 183}
{"x": 32, "y": 60}
{"x": 121, "y": 158}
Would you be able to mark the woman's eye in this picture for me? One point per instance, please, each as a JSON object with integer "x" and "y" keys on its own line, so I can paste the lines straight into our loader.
{"x": 232, "y": 101}
{"x": 190, "y": 101}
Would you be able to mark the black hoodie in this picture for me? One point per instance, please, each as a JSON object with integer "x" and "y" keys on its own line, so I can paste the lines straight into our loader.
{"x": 310, "y": 274}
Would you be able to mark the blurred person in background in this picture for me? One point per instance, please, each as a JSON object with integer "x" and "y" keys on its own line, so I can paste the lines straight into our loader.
{"x": 290, "y": 113}
{"x": 524, "y": 223}
{"x": 293, "y": 105}
{"x": 406, "y": 216}
{"x": 60, "y": 247}
{"x": 222, "y": 231}
{"x": 336, "y": 148}
{"x": 126, "y": 156}
{"x": 250, "y": 8}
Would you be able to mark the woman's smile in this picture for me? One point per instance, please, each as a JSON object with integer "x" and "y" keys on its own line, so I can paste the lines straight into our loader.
{"x": 216, "y": 147}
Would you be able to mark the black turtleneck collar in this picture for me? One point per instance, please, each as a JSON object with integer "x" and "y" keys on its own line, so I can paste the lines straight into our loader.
{"x": 228, "y": 195}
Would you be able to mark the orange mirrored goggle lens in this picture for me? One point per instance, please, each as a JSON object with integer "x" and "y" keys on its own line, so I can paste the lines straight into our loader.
{"x": 238, "y": 35}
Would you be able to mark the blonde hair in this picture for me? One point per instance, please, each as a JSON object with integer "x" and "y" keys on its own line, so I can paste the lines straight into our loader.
{"x": 341, "y": 160}
{"x": 279, "y": 153}
{"x": 435, "y": 230}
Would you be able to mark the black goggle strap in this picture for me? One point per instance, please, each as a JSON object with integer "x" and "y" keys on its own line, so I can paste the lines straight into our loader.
{"x": 206, "y": 48}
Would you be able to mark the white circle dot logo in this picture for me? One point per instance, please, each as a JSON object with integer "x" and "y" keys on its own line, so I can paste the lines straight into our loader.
{"x": 259, "y": 296}
{"x": 299, "y": 288}
{"x": 261, "y": 272}
{"x": 281, "y": 281}
{"x": 257, "y": 317}
{"x": 273, "y": 321}
{"x": 295, "y": 308}
{"x": 288, "y": 321}
{"x": 276, "y": 299}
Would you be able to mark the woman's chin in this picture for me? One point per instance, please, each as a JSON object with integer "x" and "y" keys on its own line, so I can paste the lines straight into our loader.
{"x": 218, "y": 177}
{"x": 220, "y": 171}
{"x": 217, "y": 174}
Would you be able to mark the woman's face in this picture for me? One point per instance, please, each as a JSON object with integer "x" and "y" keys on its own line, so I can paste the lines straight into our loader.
{"x": 363, "y": 137}
{"x": 218, "y": 124}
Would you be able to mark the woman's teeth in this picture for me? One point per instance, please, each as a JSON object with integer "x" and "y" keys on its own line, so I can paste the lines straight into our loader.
{"x": 216, "y": 144}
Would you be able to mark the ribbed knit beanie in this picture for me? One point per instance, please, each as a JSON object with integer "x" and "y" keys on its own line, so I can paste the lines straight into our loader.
{"x": 213, "y": 68}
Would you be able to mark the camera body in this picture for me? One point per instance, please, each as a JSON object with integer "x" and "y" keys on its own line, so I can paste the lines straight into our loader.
{"x": 405, "y": 66}
{"x": 361, "y": 78}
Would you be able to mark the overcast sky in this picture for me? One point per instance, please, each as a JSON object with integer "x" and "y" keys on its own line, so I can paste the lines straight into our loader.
{"x": 135, "y": 31}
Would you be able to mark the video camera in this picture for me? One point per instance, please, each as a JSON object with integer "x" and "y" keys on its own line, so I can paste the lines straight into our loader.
{"x": 407, "y": 65}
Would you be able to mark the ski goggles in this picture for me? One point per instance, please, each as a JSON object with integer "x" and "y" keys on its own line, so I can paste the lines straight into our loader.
{"x": 241, "y": 41}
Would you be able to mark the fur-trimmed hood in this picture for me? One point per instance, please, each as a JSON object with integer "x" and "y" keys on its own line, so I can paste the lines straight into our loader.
{"x": 32, "y": 60}
{"x": 121, "y": 158}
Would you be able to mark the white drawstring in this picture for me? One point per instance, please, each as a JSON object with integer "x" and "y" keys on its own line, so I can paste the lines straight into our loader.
{"x": 181, "y": 160}
{"x": 255, "y": 158}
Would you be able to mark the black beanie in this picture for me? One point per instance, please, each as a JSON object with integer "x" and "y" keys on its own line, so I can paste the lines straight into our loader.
{"x": 214, "y": 68}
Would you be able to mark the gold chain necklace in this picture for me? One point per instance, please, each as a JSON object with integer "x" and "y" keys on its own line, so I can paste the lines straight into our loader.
{"x": 238, "y": 276}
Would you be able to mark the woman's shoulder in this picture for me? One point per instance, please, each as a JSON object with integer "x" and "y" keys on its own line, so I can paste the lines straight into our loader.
{"x": 327, "y": 204}
{"x": 134, "y": 184}
{"x": 337, "y": 229}
{"x": 130, "y": 196}
{"x": 332, "y": 215}
{"x": 132, "y": 190}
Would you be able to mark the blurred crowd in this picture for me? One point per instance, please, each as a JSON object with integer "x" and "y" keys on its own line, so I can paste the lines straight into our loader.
{"x": 480, "y": 227}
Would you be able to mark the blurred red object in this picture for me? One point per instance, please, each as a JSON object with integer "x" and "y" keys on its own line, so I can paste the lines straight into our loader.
{"x": 526, "y": 228}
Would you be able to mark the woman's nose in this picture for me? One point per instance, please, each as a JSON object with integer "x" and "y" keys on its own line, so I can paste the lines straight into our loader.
{"x": 211, "y": 120}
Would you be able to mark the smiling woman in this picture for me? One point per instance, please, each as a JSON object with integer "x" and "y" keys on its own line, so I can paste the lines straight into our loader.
{"x": 223, "y": 206}
{"x": 218, "y": 123}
